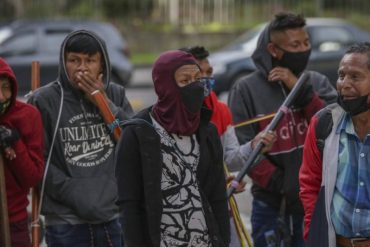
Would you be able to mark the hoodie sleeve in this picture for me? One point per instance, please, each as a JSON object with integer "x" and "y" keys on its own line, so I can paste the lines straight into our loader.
{"x": 322, "y": 87}
{"x": 28, "y": 166}
{"x": 310, "y": 175}
{"x": 118, "y": 102}
{"x": 321, "y": 93}
{"x": 265, "y": 174}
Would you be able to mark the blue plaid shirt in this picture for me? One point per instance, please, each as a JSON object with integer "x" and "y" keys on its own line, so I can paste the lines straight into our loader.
{"x": 351, "y": 200}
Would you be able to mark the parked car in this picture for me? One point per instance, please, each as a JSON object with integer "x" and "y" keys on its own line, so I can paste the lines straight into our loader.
{"x": 329, "y": 40}
{"x": 23, "y": 41}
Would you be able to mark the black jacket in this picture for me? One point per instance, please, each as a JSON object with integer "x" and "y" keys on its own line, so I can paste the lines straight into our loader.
{"x": 139, "y": 171}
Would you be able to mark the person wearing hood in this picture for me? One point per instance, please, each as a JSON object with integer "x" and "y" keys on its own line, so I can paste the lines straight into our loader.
{"x": 281, "y": 56}
{"x": 169, "y": 164}
{"x": 334, "y": 176}
{"x": 235, "y": 155}
{"x": 21, "y": 145}
{"x": 79, "y": 188}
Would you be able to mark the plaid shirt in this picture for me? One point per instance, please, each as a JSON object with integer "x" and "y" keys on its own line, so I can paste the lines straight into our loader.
{"x": 351, "y": 200}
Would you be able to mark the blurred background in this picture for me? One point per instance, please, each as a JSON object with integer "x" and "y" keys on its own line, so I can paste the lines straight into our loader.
{"x": 137, "y": 31}
{"x": 152, "y": 26}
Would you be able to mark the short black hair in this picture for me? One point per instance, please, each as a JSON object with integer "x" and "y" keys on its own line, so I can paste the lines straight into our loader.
{"x": 361, "y": 48}
{"x": 83, "y": 43}
{"x": 284, "y": 21}
{"x": 199, "y": 52}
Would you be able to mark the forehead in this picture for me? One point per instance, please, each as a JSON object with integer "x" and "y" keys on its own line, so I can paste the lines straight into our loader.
{"x": 79, "y": 54}
{"x": 188, "y": 69}
{"x": 354, "y": 62}
{"x": 4, "y": 79}
{"x": 290, "y": 35}
{"x": 204, "y": 64}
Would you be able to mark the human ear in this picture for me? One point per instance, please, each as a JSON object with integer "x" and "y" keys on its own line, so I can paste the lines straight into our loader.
{"x": 272, "y": 50}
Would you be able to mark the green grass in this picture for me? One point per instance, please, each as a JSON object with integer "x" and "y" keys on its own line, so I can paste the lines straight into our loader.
{"x": 143, "y": 58}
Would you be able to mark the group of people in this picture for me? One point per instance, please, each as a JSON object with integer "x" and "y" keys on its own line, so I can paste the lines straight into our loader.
{"x": 163, "y": 182}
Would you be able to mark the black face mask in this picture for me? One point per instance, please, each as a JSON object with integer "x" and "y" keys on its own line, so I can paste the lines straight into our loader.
{"x": 295, "y": 61}
{"x": 192, "y": 95}
{"x": 354, "y": 106}
{"x": 4, "y": 106}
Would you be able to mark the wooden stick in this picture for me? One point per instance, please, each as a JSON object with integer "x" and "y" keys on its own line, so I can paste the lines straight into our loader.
{"x": 35, "y": 224}
{"x": 4, "y": 220}
{"x": 254, "y": 120}
{"x": 106, "y": 113}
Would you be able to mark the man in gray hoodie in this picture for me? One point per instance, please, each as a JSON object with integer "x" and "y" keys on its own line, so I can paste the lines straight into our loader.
{"x": 281, "y": 56}
{"x": 79, "y": 189}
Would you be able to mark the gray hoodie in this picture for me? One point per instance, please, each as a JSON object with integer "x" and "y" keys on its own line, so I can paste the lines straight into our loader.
{"x": 255, "y": 96}
{"x": 80, "y": 185}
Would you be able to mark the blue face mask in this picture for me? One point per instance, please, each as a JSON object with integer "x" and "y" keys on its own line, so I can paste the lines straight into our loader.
{"x": 209, "y": 84}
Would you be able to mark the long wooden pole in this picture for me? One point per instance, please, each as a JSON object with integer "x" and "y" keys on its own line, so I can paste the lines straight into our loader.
{"x": 4, "y": 221}
{"x": 35, "y": 224}
{"x": 106, "y": 113}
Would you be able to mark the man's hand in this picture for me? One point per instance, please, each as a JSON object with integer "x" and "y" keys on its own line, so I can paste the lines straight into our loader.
{"x": 284, "y": 75}
{"x": 267, "y": 138}
{"x": 241, "y": 186}
{"x": 89, "y": 84}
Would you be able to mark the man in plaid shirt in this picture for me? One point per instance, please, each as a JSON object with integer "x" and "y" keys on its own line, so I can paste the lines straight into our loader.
{"x": 335, "y": 184}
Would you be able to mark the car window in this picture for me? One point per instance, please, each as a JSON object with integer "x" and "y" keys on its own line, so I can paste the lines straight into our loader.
{"x": 326, "y": 39}
{"x": 247, "y": 41}
{"x": 5, "y": 33}
{"x": 20, "y": 43}
{"x": 53, "y": 39}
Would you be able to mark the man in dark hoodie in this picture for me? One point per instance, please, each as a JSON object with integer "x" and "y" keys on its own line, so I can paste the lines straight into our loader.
{"x": 281, "y": 56}
{"x": 79, "y": 188}
{"x": 171, "y": 183}
{"x": 21, "y": 145}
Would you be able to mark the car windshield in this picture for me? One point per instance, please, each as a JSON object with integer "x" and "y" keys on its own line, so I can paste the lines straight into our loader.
{"x": 246, "y": 42}
{"x": 53, "y": 40}
{"x": 5, "y": 32}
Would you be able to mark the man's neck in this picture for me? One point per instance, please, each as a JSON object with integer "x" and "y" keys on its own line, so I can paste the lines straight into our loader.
{"x": 361, "y": 123}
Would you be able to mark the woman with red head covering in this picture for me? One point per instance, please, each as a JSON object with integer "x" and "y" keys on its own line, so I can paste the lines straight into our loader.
{"x": 169, "y": 164}
{"x": 21, "y": 145}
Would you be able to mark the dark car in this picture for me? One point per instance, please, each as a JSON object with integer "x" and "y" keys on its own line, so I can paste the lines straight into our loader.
{"x": 329, "y": 40}
{"x": 23, "y": 41}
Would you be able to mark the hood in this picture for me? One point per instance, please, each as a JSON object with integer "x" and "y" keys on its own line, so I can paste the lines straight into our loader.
{"x": 169, "y": 110}
{"x": 63, "y": 77}
{"x": 5, "y": 70}
{"x": 261, "y": 57}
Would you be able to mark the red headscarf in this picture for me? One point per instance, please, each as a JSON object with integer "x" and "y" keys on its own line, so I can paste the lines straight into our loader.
{"x": 5, "y": 70}
{"x": 169, "y": 110}
{"x": 221, "y": 116}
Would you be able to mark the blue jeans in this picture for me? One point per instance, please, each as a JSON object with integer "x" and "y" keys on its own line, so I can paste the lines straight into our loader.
{"x": 265, "y": 226}
{"x": 85, "y": 235}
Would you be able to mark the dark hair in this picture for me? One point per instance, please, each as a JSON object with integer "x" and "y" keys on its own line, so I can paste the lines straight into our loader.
{"x": 284, "y": 21}
{"x": 362, "y": 48}
{"x": 199, "y": 52}
{"x": 83, "y": 43}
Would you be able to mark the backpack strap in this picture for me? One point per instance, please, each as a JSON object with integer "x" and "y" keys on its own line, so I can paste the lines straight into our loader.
{"x": 323, "y": 128}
